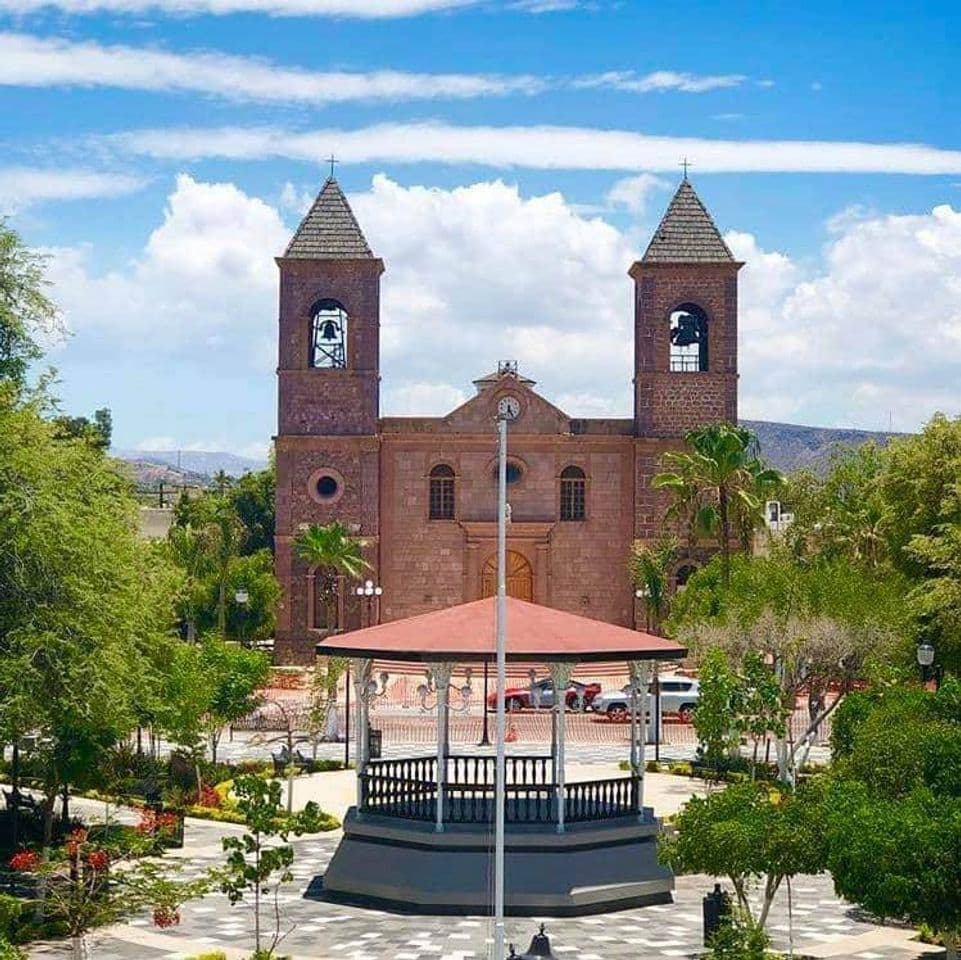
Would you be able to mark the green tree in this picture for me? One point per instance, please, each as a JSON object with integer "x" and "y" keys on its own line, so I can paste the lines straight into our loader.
{"x": 258, "y": 866}
{"x": 715, "y": 720}
{"x": 333, "y": 551}
{"x": 820, "y": 625}
{"x": 25, "y": 309}
{"x": 650, "y": 566}
{"x": 97, "y": 432}
{"x": 937, "y": 597}
{"x": 83, "y": 611}
{"x": 844, "y": 514}
{"x": 752, "y": 835}
{"x": 893, "y": 811}
{"x": 253, "y": 497}
{"x": 719, "y": 484}
{"x": 921, "y": 473}
{"x": 210, "y": 685}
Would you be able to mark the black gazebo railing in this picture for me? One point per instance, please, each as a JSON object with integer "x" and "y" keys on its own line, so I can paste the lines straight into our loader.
{"x": 407, "y": 788}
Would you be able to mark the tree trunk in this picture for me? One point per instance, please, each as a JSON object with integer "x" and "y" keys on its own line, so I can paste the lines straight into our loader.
{"x": 78, "y": 947}
{"x": 65, "y": 806}
{"x": 770, "y": 890}
{"x": 15, "y": 785}
{"x": 722, "y": 509}
{"x": 222, "y": 608}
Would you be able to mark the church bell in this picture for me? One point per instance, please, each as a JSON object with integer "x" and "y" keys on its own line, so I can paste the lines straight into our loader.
{"x": 329, "y": 331}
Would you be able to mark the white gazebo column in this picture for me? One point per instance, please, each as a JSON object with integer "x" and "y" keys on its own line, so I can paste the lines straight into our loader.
{"x": 561, "y": 676}
{"x": 640, "y": 671}
{"x": 360, "y": 668}
{"x": 441, "y": 673}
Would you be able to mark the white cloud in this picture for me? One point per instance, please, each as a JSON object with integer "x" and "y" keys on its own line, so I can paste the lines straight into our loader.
{"x": 205, "y": 272}
{"x": 660, "y": 81}
{"x": 538, "y": 147}
{"x": 22, "y": 186}
{"x": 480, "y": 273}
{"x": 42, "y": 62}
{"x": 416, "y": 398}
{"x": 633, "y": 193}
{"x": 358, "y": 9}
{"x": 875, "y": 331}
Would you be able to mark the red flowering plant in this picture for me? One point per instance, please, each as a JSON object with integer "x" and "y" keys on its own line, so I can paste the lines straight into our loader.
{"x": 208, "y": 797}
{"x": 84, "y": 890}
{"x": 162, "y": 828}
{"x": 25, "y": 861}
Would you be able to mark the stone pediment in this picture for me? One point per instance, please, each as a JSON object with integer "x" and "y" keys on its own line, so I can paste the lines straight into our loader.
{"x": 537, "y": 415}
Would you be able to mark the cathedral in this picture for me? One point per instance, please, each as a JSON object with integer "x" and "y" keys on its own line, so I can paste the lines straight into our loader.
{"x": 421, "y": 491}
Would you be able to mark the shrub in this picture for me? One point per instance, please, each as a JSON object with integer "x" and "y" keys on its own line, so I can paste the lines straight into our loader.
{"x": 681, "y": 769}
{"x": 739, "y": 938}
{"x": 9, "y": 952}
{"x": 652, "y": 766}
{"x": 10, "y": 910}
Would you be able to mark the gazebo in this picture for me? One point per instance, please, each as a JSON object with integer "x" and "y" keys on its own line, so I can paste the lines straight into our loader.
{"x": 420, "y": 836}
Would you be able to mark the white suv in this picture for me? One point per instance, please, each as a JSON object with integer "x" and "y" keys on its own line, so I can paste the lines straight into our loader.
{"x": 678, "y": 695}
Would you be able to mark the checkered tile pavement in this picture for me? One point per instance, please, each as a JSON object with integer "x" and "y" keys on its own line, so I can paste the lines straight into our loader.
{"x": 325, "y": 930}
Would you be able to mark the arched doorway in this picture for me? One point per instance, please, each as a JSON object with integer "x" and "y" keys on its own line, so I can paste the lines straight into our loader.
{"x": 520, "y": 577}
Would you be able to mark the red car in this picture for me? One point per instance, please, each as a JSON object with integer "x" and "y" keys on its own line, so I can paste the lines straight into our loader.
{"x": 579, "y": 695}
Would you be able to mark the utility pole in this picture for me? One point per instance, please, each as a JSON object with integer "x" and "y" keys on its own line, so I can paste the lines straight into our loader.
{"x": 501, "y": 725}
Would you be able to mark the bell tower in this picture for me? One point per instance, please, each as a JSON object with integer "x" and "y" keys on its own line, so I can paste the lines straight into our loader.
{"x": 685, "y": 323}
{"x": 329, "y": 351}
{"x": 328, "y": 407}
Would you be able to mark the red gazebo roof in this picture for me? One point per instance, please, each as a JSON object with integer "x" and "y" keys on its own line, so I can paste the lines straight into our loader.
{"x": 466, "y": 633}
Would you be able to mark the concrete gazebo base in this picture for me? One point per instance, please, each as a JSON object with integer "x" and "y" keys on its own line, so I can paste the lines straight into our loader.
{"x": 405, "y": 865}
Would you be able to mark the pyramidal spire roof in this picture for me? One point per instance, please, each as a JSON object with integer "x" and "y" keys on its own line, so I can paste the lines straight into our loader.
{"x": 329, "y": 231}
{"x": 687, "y": 233}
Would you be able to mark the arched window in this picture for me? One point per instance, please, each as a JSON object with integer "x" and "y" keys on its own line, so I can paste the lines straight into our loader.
{"x": 442, "y": 492}
{"x": 573, "y": 494}
{"x": 328, "y": 336}
{"x": 688, "y": 339}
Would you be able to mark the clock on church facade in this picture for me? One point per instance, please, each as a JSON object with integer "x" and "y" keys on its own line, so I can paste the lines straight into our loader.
{"x": 421, "y": 491}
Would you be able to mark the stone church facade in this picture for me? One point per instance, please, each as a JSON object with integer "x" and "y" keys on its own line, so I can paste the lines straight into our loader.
{"x": 421, "y": 491}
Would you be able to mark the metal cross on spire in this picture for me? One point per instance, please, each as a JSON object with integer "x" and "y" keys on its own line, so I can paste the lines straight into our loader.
{"x": 332, "y": 160}
{"x": 685, "y": 163}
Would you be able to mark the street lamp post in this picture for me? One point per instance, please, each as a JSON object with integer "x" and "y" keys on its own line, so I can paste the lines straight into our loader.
{"x": 369, "y": 592}
{"x": 485, "y": 740}
{"x": 242, "y": 597}
{"x": 929, "y": 670}
{"x": 642, "y": 593}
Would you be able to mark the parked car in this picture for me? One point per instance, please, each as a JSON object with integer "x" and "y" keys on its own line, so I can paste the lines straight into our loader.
{"x": 678, "y": 695}
{"x": 579, "y": 695}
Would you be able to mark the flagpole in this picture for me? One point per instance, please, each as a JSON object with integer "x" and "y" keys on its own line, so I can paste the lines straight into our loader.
{"x": 501, "y": 725}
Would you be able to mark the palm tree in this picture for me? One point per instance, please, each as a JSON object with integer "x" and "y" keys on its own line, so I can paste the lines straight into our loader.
{"x": 333, "y": 551}
{"x": 650, "y": 565}
{"x": 719, "y": 484}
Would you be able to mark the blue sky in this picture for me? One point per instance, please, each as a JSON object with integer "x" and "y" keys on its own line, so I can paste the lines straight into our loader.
{"x": 507, "y": 158}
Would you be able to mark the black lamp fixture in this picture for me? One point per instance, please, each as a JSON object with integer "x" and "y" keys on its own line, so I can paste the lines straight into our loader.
{"x": 540, "y": 948}
{"x": 929, "y": 671}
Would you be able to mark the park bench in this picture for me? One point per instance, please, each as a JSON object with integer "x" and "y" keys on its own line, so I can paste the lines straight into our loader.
{"x": 14, "y": 799}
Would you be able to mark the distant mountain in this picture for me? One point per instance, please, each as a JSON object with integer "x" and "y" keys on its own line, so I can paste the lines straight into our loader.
{"x": 148, "y": 475}
{"x": 789, "y": 446}
{"x": 195, "y": 461}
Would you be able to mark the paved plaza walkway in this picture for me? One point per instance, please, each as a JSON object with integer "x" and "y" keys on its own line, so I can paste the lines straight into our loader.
{"x": 823, "y": 925}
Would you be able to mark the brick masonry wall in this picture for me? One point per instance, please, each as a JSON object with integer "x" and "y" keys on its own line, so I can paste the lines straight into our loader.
{"x": 325, "y": 402}
{"x": 329, "y": 419}
{"x": 666, "y": 403}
